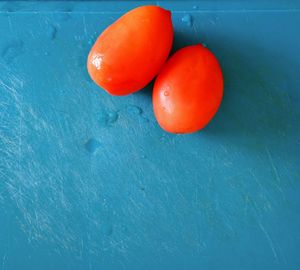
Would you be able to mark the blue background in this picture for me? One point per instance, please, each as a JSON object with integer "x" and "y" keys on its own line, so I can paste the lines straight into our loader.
{"x": 90, "y": 181}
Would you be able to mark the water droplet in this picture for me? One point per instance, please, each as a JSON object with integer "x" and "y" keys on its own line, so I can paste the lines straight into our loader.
{"x": 46, "y": 53}
{"x": 107, "y": 118}
{"x": 143, "y": 156}
{"x": 51, "y": 32}
{"x": 112, "y": 117}
{"x": 195, "y": 7}
{"x": 166, "y": 93}
{"x": 134, "y": 110}
{"x": 187, "y": 19}
{"x": 12, "y": 50}
{"x": 92, "y": 145}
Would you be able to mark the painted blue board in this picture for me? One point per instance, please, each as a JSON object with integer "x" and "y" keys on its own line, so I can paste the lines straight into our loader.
{"x": 90, "y": 181}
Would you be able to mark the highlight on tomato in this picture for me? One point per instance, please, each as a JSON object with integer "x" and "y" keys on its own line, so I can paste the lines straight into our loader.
{"x": 130, "y": 52}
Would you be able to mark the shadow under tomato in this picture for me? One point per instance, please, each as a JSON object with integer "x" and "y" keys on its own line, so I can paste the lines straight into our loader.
{"x": 147, "y": 91}
{"x": 257, "y": 106}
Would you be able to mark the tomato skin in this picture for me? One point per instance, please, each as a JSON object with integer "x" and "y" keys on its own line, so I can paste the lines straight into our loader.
{"x": 130, "y": 52}
{"x": 188, "y": 90}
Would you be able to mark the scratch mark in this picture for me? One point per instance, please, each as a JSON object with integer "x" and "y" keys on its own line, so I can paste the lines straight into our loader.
{"x": 81, "y": 249}
{"x": 4, "y": 261}
{"x": 273, "y": 165}
{"x": 282, "y": 255}
{"x": 246, "y": 206}
{"x": 84, "y": 26}
{"x": 224, "y": 148}
{"x": 7, "y": 86}
{"x": 275, "y": 172}
{"x": 195, "y": 29}
{"x": 20, "y": 140}
{"x": 265, "y": 191}
{"x": 10, "y": 25}
{"x": 269, "y": 240}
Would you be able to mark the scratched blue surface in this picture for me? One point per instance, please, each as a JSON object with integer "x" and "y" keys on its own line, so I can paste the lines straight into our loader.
{"x": 90, "y": 181}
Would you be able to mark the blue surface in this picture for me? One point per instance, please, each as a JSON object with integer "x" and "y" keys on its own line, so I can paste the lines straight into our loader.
{"x": 90, "y": 181}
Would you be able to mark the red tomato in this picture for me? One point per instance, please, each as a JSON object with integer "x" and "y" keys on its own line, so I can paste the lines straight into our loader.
{"x": 188, "y": 90}
{"x": 130, "y": 52}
